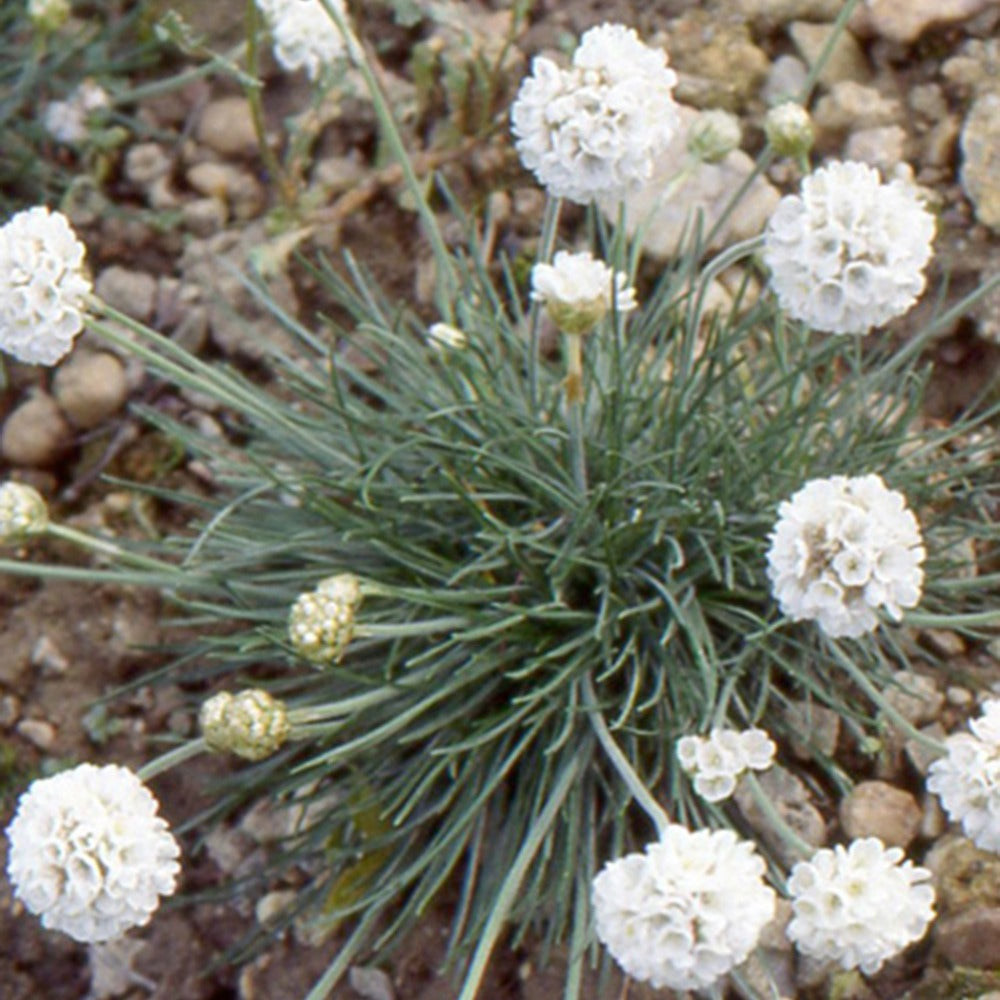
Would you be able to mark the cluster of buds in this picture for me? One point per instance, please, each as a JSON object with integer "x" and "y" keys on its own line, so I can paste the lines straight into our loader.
{"x": 251, "y": 724}
{"x": 23, "y": 512}
{"x": 321, "y": 622}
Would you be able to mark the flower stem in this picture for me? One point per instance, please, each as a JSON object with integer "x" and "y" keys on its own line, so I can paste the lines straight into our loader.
{"x": 776, "y": 820}
{"x": 574, "y": 410}
{"x": 172, "y": 758}
{"x": 619, "y": 761}
{"x": 106, "y": 548}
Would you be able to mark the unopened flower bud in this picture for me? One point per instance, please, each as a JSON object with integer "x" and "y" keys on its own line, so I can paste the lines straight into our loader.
{"x": 251, "y": 724}
{"x": 444, "y": 337}
{"x": 789, "y": 129}
{"x": 713, "y": 136}
{"x": 22, "y": 511}
{"x": 579, "y": 291}
{"x": 48, "y": 15}
{"x": 321, "y": 622}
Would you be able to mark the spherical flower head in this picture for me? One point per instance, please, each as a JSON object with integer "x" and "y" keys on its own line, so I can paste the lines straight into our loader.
{"x": 23, "y": 511}
{"x": 859, "y": 906}
{"x": 848, "y": 254}
{"x": 579, "y": 291}
{"x": 321, "y": 622}
{"x": 48, "y": 15}
{"x": 88, "y": 853}
{"x": 67, "y": 121}
{"x": 43, "y": 286}
{"x": 789, "y": 129}
{"x": 251, "y": 724}
{"x": 967, "y": 778}
{"x": 305, "y": 36}
{"x": 444, "y": 337}
{"x": 717, "y": 761}
{"x": 842, "y": 549}
{"x": 686, "y": 911}
{"x": 713, "y": 136}
{"x": 597, "y": 127}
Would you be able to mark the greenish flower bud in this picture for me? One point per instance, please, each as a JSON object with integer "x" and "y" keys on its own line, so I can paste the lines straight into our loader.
{"x": 789, "y": 129}
{"x": 48, "y": 15}
{"x": 713, "y": 136}
{"x": 444, "y": 337}
{"x": 321, "y": 622}
{"x": 23, "y": 512}
{"x": 251, "y": 724}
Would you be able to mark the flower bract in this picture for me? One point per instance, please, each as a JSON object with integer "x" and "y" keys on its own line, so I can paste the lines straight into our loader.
{"x": 842, "y": 549}
{"x": 43, "y": 286}
{"x": 597, "y": 127}
{"x": 849, "y": 252}
{"x": 859, "y": 906}
{"x": 89, "y": 854}
{"x": 686, "y": 911}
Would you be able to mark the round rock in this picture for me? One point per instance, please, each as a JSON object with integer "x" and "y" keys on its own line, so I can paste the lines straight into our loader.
{"x": 980, "y": 143}
{"x": 35, "y": 433}
{"x": 90, "y": 388}
{"x": 878, "y": 809}
{"x": 226, "y": 126}
{"x": 970, "y": 939}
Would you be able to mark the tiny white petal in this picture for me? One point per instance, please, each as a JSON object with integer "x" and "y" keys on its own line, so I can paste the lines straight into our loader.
{"x": 305, "y": 36}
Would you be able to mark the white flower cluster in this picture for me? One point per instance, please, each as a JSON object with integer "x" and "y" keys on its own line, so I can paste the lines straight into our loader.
{"x": 88, "y": 854}
{"x": 848, "y": 253}
{"x": 43, "y": 287}
{"x": 842, "y": 548}
{"x": 67, "y": 121}
{"x": 967, "y": 778}
{"x": 578, "y": 291}
{"x": 305, "y": 36}
{"x": 597, "y": 127}
{"x": 251, "y": 724}
{"x": 718, "y": 760}
{"x": 685, "y": 912}
{"x": 321, "y": 622}
{"x": 859, "y": 906}
{"x": 23, "y": 511}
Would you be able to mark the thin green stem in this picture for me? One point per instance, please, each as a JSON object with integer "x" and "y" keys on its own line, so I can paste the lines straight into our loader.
{"x": 777, "y": 821}
{"x": 620, "y": 762}
{"x": 106, "y": 548}
{"x": 172, "y": 758}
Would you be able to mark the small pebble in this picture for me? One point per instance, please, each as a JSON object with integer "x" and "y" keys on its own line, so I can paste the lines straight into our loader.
{"x": 226, "y": 126}
{"x": 38, "y": 732}
{"x": 145, "y": 163}
{"x": 89, "y": 388}
{"x": 47, "y": 655}
{"x": 130, "y": 292}
{"x": 35, "y": 433}
{"x": 878, "y": 809}
{"x": 370, "y": 983}
{"x": 10, "y": 710}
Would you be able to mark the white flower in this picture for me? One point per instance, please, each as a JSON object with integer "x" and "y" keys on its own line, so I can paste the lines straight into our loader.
{"x": 597, "y": 127}
{"x": 88, "y": 854}
{"x": 579, "y": 291}
{"x": 789, "y": 129}
{"x": 251, "y": 724}
{"x": 321, "y": 622}
{"x": 66, "y": 121}
{"x": 858, "y": 906}
{"x": 967, "y": 778}
{"x": 444, "y": 337}
{"x": 717, "y": 761}
{"x": 43, "y": 287}
{"x": 47, "y": 15}
{"x": 849, "y": 253}
{"x": 685, "y": 912}
{"x": 23, "y": 511}
{"x": 305, "y": 36}
{"x": 843, "y": 548}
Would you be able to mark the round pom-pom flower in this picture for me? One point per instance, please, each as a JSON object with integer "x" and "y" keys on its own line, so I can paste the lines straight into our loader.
{"x": 967, "y": 778}
{"x": 686, "y": 911}
{"x": 43, "y": 287}
{"x": 578, "y": 291}
{"x": 321, "y": 622}
{"x": 23, "y": 511}
{"x": 858, "y": 906}
{"x": 789, "y": 129}
{"x": 849, "y": 252}
{"x": 305, "y": 36}
{"x": 597, "y": 127}
{"x": 843, "y": 548}
{"x": 251, "y": 724}
{"x": 88, "y": 853}
{"x": 717, "y": 761}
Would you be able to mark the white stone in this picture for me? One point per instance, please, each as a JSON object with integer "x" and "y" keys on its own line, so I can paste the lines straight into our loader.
{"x": 905, "y": 20}
{"x": 980, "y": 144}
{"x": 89, "y": 388}
{"x": 35, "y": 433}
